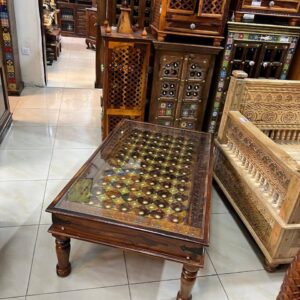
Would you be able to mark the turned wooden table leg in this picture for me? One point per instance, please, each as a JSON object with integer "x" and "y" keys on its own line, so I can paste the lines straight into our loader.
{"x": 63, "y": 267}
{"x": 188, "y": 278}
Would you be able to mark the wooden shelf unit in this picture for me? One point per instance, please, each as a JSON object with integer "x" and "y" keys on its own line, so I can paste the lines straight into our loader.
{"x": 73, "y": 17}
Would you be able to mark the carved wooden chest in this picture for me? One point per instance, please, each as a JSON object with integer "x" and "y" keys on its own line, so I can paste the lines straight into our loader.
{"x": 190, "y": 18}
{"x": 181, "y": 82}
{"x": 126, "y": 63}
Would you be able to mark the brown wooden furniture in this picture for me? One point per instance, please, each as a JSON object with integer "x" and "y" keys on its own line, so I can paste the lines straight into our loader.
{"x": 5, "y": 114}
{"x": 205, "y": 18}
{"x": 140, "y": 12}
{"x": 290, "y": 288}
{"x": 262, "y": 51}
{"x": 181, "y": 82}
{"x": 9, "y": 42}
{"x": 126, "y": 63}
{"x": 294, "y": 73}
{"x": 91, "y": 23}
{"x": 73, "y": 17}
{"x": 112, "y": 200}
{"x": 257, "y": 161}
{"x": 289, "y": 9}
{"x": 53, "y": 43}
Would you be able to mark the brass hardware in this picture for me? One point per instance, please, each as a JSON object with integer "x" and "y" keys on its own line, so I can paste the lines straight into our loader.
{"x": 271, "y": 3}
{"x": 193, "y": 26}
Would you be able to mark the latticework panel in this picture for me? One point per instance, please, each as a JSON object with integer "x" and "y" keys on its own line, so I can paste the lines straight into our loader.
{"x": 126, "y": 77}
{"x": 182, "y": 4}
{"x": 212, "y": 7}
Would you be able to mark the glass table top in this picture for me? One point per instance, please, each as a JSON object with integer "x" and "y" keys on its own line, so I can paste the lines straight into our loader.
{"x": 145, "y": 175}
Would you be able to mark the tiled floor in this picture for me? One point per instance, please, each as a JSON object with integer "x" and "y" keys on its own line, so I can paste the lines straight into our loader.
{"x": 54, "y": 132}
{"x": 75, "y": 67}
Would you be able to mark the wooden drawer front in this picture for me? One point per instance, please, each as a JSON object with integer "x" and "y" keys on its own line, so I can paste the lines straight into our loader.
{"x": 205, "y": 26}
{"x": 182, "y": 6}
{"x": 272, "y": 5}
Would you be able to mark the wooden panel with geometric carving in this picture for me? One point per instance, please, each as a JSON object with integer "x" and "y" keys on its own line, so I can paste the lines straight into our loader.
{"x": 126, "y": 62}
{"x": 257, "y": 164}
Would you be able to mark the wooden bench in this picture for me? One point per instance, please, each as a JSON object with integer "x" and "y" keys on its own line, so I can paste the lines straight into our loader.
{"x": 257, "y": 162}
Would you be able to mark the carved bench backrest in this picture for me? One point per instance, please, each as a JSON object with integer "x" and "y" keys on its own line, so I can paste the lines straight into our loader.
{"x": 271, "y": 105}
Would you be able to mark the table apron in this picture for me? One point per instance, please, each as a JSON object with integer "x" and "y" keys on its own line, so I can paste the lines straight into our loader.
{"x": 127, "y": 238}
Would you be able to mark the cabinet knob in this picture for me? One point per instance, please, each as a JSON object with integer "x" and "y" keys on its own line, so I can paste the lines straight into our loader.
{"x": 271, "y": 3}
{"x": 251, "y": 63}
{"x": 265, "y": 64}
{"x": 193, "y": 26}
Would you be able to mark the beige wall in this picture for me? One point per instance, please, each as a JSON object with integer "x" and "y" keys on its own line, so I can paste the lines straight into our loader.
{"x": 29, "y": 36}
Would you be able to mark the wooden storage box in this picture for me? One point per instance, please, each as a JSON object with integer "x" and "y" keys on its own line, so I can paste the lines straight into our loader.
{"x": 257, "y": 162}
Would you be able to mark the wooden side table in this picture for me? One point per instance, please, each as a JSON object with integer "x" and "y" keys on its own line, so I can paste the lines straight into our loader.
{"x": 146, "y": 189}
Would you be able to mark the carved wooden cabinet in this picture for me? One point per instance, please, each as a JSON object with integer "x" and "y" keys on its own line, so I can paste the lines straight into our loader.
{"x": 190, "y": 18}
{"x": 126, "y": 63}
{"x": 91, "y": 27}
{"x": 262, "y": 51}
{"x": 276, "y": 8}
{"x": 73, "y": 17}
{"x": 5, "y": 114}
{"x": 182, "y": 77}
{"x": 140, "y": 12}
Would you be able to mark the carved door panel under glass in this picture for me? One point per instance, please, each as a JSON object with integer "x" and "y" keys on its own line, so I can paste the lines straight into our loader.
{"x": 244, "y": 57}
{"x": 182, "y": 6}
{"x": 271, "y": 60}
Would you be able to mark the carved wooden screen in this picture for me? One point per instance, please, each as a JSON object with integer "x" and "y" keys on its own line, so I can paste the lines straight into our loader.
{"x": 125, "y": 81}
{"x": 182, "y": 6}
{"x": 211, "y": 7}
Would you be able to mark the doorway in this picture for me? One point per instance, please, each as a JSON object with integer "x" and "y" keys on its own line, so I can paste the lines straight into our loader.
{"x": 69, "y": 60}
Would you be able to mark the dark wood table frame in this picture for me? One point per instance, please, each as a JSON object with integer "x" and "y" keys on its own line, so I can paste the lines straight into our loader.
{"x": 183, "y": 243}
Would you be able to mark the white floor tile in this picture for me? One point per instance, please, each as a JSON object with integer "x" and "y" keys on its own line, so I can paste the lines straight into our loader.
{"x": 218, "y": 206}
{"x": 65, "y": 163}
{"x": 43, "y": 101}
{"x": 155, "y": 269}
{"x": 258, "y": 285}
{"x": 93, "y": 266}
{"x": 24, "y": 164}
{"x": 16, "y": 250}
{"x": 206, "y": 288}
{"x": 52, "y": 189}
{"x": 21, "y": 202}
{"x": 35, "y": 117}
{"x": 77, "y": 137}
{"x": 13, "y": 102}
{"x": 112, "y": 293}
{"x": 88, "y": 118}
{"x": 229, "y": 249}
{"x": 29, "y": 137}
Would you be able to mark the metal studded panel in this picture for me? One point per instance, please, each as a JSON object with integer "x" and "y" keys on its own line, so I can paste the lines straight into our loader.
{"x": 212, "y": 7}
{"x": 126, "y": 77}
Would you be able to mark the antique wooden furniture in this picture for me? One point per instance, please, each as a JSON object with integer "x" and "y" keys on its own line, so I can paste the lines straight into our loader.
{"x": 91, "y": 23}
{"x": 190, "y": 18}
{"x": 294, "y": 73}
{"x": 146, "y": 189}
{"x": 126, "y": 61}
{"x": 257, "y": 161}
{"x": 290, "y": 288}
{"x": 9, "y": 42}
{"x": 287, "y": 9}
{"x": 262, "y": 51}
{"x": 53, "y": 41}
{"x": 181, "y": 82}
{"x": 73, "y": 17}
{"x": 5, "y": 114}
{"x": 140, "y": 12}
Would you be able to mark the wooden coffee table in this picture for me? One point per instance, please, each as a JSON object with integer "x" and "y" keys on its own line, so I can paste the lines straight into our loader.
{"x": 146, "y": 189}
